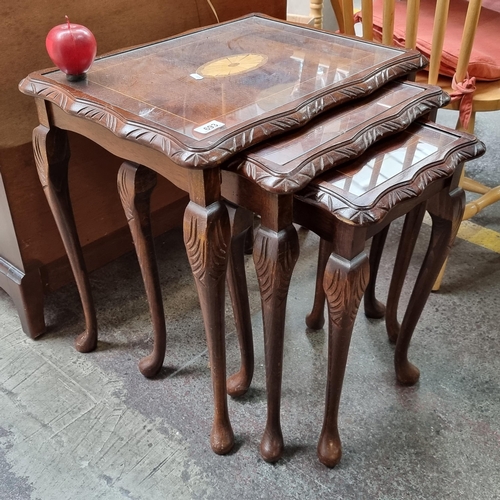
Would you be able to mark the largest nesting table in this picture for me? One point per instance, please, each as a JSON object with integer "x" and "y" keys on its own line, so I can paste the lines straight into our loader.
{"x": 182, "y": 107}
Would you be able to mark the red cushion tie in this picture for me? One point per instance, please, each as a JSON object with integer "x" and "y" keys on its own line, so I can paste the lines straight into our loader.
{"x": 464, "y": 91}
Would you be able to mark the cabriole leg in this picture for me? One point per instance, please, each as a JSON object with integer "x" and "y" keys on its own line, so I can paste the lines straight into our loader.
{"x": 446, "y": 211}
{"x": 241, "y": 222}
{"x": 344, "y": 283}
{"x": 51, "y": 149}
{"x": 135, "y": 185}
{"x": 207, "y": 239}
{"x": 316, "y": 318}
{"x": 275, "y": 255}
{"x": 373, "y": 307}
{"x": 409, "y": 236}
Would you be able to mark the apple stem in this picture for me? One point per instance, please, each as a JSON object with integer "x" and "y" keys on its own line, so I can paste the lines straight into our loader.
{"x": 67, "y": 20}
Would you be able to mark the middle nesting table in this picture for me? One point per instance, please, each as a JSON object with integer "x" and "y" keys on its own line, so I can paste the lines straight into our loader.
{"x": 264, "y": 181}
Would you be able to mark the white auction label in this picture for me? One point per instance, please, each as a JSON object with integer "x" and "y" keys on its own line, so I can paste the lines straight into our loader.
{"x": 209, "y": 127}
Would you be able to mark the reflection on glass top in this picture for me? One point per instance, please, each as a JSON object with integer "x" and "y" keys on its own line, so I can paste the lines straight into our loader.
{"x": 333, "y": 124}
{"x": 219, "y": 78}
{"x": 376, "y": 167}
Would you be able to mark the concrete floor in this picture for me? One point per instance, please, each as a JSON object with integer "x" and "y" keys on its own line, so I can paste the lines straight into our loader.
{"x": 89, "y": 426}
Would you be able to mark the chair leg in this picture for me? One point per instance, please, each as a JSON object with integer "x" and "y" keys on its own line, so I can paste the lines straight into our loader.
{"x": 344, "y": 283}
{"x": 471, "y": 209}
{"x": 135, "y": 185}
{"x": 275, "y": 255}
{"x": 475, "y": 206}
{"x": 439, "y": 279}
{"x": 446, "y": 210}
{"x": 473, "y": 186}
{"x": 409, "y": 236}
{"x": 316, "y": 318}
{"x": 241, "y": 222}
{"x": 373, "y": 307}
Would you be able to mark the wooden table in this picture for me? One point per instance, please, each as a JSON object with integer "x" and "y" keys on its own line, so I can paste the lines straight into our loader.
{"x": 414, "y": 171}
{"x": 182, "y": 107}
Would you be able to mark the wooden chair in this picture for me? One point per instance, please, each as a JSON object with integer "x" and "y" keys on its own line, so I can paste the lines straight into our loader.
{"x": 448, "y": 34}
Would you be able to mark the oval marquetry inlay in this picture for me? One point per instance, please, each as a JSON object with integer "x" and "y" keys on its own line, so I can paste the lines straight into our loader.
{"x": 232, "y": 65}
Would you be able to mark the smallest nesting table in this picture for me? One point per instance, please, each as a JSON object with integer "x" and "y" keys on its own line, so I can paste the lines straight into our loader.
{"x": 415, "y": 171}
{"x": 266, "y": 180}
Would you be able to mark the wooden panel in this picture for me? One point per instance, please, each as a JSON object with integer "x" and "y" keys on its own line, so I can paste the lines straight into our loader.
{"x": 229, "y": 9}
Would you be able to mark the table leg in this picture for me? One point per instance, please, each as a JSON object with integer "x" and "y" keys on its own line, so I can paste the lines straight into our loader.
{"x": 344, "y": 282}
{"x": 275, "y": 255}
{"x": 51, "y": 150}
{"x": 241, "y": 220}
{"x": 135, "y": 185}
{"x": 446, "y": 211}
{"x": 409, "y": 236}
{"x": 373, "y": 307}
{"x": 207, "y": 238}
{"x": 316, "y": 318}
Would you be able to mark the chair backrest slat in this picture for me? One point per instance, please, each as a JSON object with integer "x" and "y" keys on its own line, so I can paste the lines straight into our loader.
{"x": 348, "y": 11}
{"x": 388, "y": 22}
{"x": 367, "y": 22}
{"x": 338, "y": 10}
{"x": 438, "y": 32}
{"x": 412, "y": 8}
{"x": 470, "y": 27}
{"x": 344, "y": 12}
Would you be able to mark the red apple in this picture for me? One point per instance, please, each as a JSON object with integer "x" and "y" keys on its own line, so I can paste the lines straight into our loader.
{"x": 72, "y": 48}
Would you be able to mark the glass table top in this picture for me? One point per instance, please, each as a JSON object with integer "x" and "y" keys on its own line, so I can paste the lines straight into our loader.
{"x": 289, "y": 162}
{"x": 282, "y": 152}
{"x": 216, "y": 83}
{"x": 412, "y": 147}
{"x": 391, "y": 161}
{"x": 395, "y": 170}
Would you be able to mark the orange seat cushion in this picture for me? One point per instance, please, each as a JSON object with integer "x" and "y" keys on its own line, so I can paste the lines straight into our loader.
{"x": 484, "y": 62}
